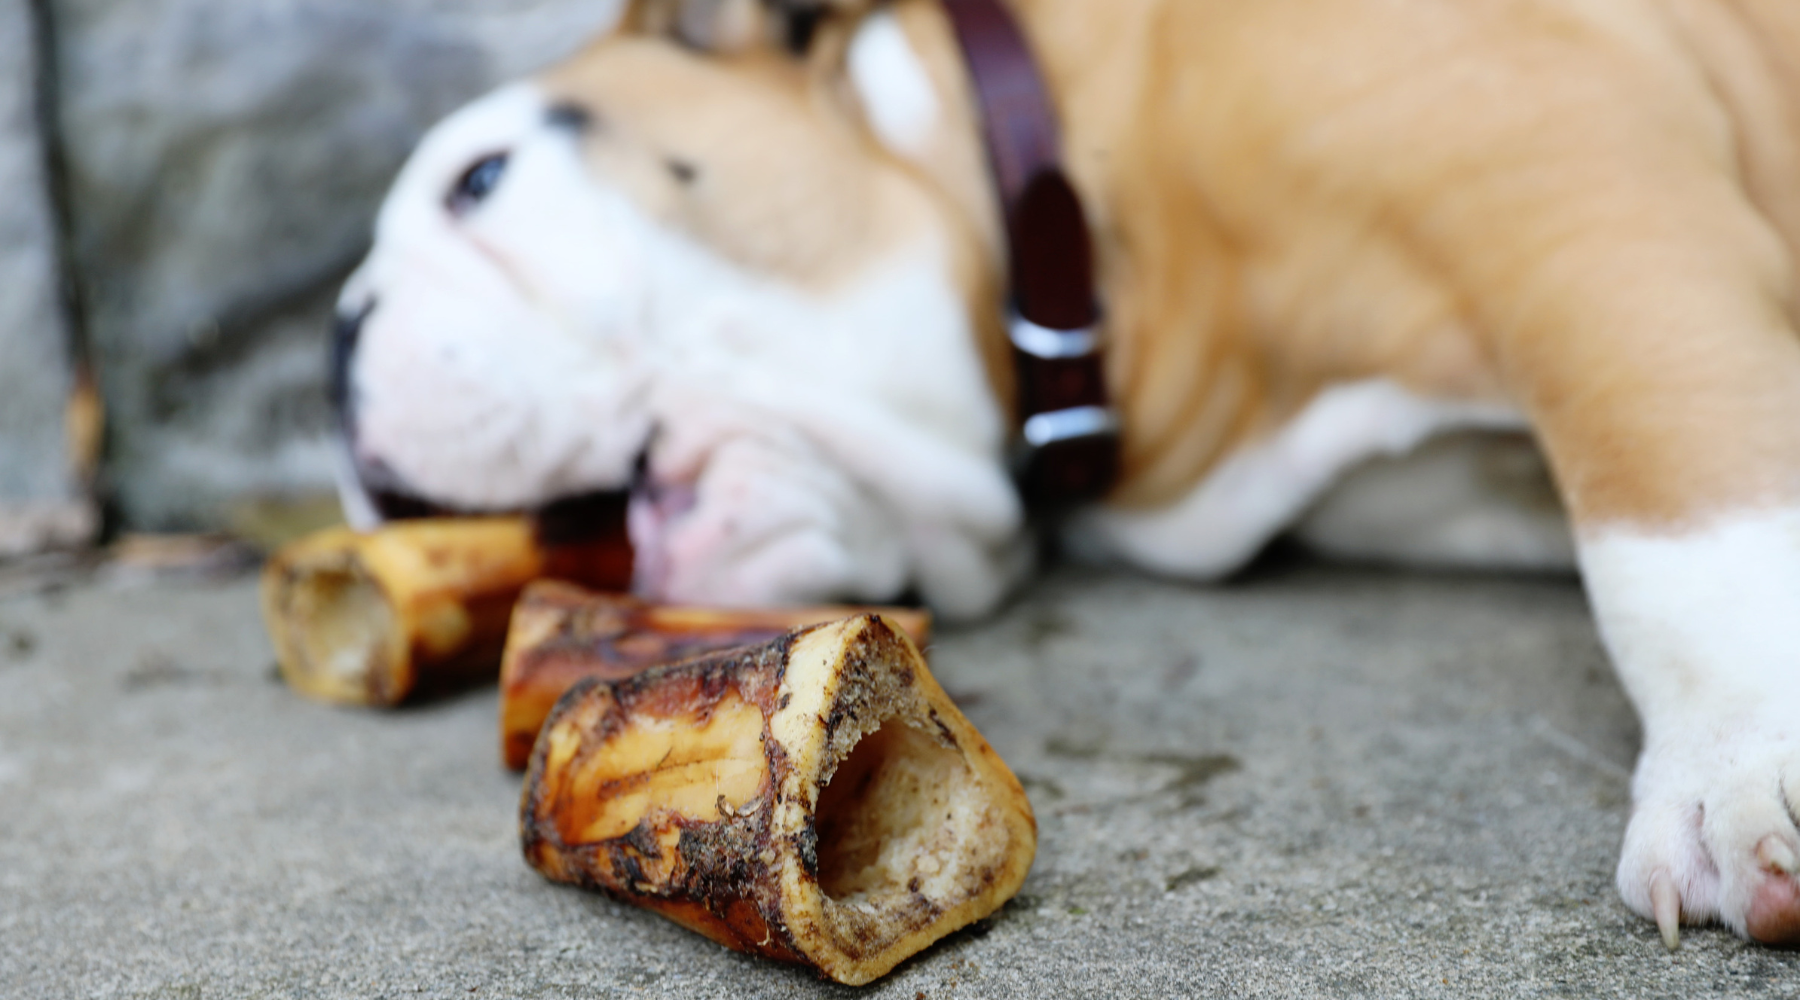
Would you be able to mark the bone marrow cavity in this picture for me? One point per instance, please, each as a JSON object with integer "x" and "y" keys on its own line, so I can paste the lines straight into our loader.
{"x": 895, "y": 820}
{"x": 348, "y": 625}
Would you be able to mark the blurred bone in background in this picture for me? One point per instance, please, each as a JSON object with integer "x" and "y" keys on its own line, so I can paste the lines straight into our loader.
{"x": 183, "y": 186}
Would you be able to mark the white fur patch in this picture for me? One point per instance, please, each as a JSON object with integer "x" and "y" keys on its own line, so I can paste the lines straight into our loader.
{"x": 893, "y": 85}
{"x": 1263, "y": 488}
{"x": 1703, "y": 620}
{"x": 769, "y": 515}
{"x": 524, "y": 297}
{"x": 1704, "y": 628}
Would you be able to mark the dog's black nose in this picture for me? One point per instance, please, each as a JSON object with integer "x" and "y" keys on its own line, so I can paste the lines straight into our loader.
{"x": 344, "y": 335}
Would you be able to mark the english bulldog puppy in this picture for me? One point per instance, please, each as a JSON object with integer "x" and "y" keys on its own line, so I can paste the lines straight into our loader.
{"x": 749, "y": 265}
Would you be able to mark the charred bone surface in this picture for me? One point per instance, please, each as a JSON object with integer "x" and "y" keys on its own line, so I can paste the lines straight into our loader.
{"x": 562, "y": 634}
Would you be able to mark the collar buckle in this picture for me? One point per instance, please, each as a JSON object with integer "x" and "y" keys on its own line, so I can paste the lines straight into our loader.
{"x": 1049, "y": 344}
{"x": 1067, "y": 448}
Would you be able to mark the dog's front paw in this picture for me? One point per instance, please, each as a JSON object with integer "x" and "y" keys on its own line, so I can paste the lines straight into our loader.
{"x": 1713, "y": 835}
{"x": 764, "y": 521}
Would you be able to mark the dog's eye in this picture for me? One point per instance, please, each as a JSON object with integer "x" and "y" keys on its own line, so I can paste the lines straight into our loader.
{"x": 476, "y": 183}
{"x": 682, "y": 170}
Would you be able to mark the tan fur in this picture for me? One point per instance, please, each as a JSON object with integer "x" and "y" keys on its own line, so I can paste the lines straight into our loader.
{"x": 1530, "y": 200}
{"x": 1586, "y": 208}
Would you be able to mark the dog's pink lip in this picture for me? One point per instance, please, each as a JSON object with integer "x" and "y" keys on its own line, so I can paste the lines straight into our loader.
{"x": 653, "y": 507}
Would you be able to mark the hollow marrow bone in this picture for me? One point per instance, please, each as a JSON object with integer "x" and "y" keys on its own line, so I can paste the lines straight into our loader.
{"x": 369, "y": 619}
{"x": 816, "y": 800}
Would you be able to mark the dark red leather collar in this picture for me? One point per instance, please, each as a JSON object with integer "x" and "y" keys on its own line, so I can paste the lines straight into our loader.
{"x": 1067, "y": 449}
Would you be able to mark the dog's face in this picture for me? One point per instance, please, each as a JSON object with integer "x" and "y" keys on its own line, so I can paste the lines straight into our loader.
{"x": 703, "y": 276}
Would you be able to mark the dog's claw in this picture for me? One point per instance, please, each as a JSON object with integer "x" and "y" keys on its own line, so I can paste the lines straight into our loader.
{"x": 1775, "y": 855}
{"x": 1665, "y": 902}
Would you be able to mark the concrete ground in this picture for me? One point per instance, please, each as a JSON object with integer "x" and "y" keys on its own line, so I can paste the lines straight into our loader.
{"x": 1317, "y": 782}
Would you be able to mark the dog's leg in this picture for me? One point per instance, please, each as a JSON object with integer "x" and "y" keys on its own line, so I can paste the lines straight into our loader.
{"x": 1697, "y": 594}
{"x": 1680, "y": 470}
{"x": 1650, "y": 340}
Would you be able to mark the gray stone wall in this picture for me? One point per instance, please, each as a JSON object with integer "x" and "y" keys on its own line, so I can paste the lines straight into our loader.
{"x": 41, "y": 501}
{"x": 224, "y": 162}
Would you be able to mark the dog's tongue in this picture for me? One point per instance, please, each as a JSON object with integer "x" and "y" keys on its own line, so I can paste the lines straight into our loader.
{"x": 652, "y": 509}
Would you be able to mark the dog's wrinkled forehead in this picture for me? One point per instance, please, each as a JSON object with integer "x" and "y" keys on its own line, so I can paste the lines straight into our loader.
{"x": 747, "y": 152}
{"x": 749, "y": 142}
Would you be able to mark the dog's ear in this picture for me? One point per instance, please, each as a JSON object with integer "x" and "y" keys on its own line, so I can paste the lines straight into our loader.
{"x": 728, "y": 26}
{"x": 799, "y": 21}
{"x": 708, "y": 25}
